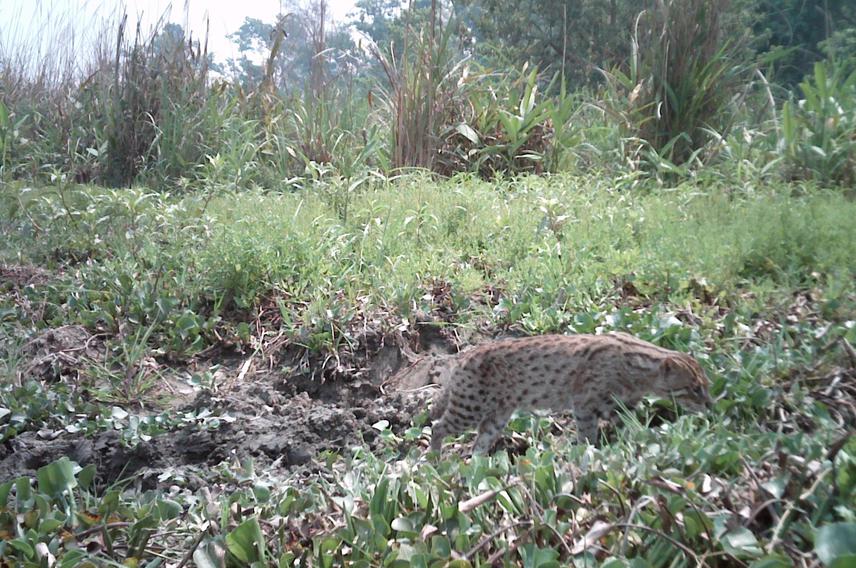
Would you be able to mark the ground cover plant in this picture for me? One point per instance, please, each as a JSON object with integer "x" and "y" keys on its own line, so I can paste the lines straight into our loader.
{"x": 201, "y": 377}
{"x": 220, "y": 281}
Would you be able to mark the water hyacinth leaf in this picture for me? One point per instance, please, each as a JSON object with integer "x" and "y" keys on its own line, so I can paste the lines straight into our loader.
{"x": 537, "y": 557}
{"x": 402, "y": 524}
{"x": 835, "y": 545}
{"x": 381, "y": 529}
{"x": 440, "y": 546}
{"x": 168, "y": 509}
{"x": 48, "y": 526}
{"x": 624, "y": 563}
{"x": 741, "y": 543}
{"x": 57, "y": 478}
{"x": 379, "y": 498}
{"x": 325, "y": 551}
{"x": 776, "y": 486}
{"x": 73, "y": 558}
{"x": 86, "y": 476}
{"x": 5, "y": 488}
{"x": 261, "y": 492}
{"x": 246, "y": 542}
{"x": 118, "y": 413}
{"x": 209, "y": 555}
{"x": 697, "y": 523}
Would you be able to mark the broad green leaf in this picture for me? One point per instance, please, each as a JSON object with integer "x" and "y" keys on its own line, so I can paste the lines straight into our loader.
{"x": 402, "y": 524}
{"x": 49, "y": 526}
{"x": 741, "y": 543}
{"x": 73, "y": 558}
{"x": 57, "y": 478}
{"x": 835, "y": 544}
{"x": 168, "y": 509}
{"x": 5, "y": 489}
{"x": 206, "y": 556}
{"x": 86, "y": 476}
{"x": 536, "y": 557}
{"x": 377, "y": 506}
{"x": 246, "y": 542}
{"x": 261, "y": 492}
{"x": 467, "y": 132}
{"x": 23, "y": 547}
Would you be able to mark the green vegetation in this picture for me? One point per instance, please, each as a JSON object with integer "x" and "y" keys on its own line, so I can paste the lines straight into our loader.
{"x": 210, "y": 270}
{"x": 447, "y": 88}
{"x": 760, "y": 285}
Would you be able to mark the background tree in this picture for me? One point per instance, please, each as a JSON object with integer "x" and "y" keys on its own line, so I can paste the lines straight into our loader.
{"x": 573, "y": 36}
{"x": 308, "y": 36}
{"x": 794, "y": 30}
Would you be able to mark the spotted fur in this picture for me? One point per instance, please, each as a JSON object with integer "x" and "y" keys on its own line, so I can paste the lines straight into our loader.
{"x": 587, "y": 374}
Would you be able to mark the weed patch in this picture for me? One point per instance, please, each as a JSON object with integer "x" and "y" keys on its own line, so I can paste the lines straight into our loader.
{"x": 230, "y": 354}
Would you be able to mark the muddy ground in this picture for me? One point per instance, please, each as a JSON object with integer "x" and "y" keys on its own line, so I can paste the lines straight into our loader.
{"x": 282, "y": 413}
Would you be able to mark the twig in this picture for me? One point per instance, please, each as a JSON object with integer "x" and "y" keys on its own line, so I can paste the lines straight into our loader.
{"x": 687, "y": 550}
{"x": 336, "y": 507}
{"x": 539, "y": 510}
{"x": 192, "y": 549}
{"x": 477, "y": 501}
{"x": 761, "y": 507}
{"x": 837, "y": 445}
{"x": 665, "y": 486}
{"x": 851, "y": 353}
{"x": 495, "y": 556}
{"x": 617, "y": 495}
{"x": 643, "y": 502}
{"x": 777, "y": 533}
{"x": 486, "y": 539}
{"x": 97, "y": 528}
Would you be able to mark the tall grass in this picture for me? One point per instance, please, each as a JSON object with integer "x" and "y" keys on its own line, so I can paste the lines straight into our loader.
{"x": 138, "y": 106}
{"x": 143, "y": 107}
{"x": 43, "y": 131}
{"x": 681, "y": 79}
{"x": 421, "y": 90}
{"x": 159, "y": 105}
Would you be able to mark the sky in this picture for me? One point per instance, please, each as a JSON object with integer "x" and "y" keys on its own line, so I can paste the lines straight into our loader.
{"x": 45, "y": 23}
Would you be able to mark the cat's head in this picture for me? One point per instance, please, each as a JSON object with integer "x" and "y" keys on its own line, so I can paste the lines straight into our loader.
{"x": 682, "y": 378}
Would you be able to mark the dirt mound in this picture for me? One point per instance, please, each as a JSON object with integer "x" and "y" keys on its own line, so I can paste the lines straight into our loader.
{"x": 280, "y": 419}
{"x": 20, "y": 275}
{"x": 59, "y": 353}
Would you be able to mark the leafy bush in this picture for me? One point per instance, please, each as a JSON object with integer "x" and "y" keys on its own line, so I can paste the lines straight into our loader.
{"x": 682, "y": 77}
{"x": 819, "y": 130}
{"x": 508, "y": 127}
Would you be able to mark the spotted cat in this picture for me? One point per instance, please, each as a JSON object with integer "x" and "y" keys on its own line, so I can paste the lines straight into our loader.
{"x": 483, "y": 386}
